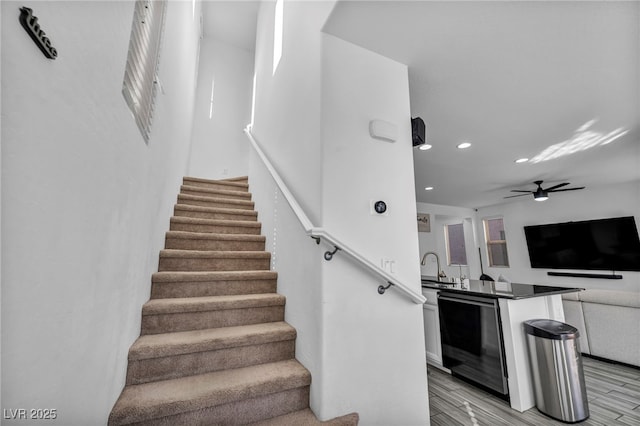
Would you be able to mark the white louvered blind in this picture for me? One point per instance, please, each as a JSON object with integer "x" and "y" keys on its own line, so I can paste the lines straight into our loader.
{"x": 140, "y": 77}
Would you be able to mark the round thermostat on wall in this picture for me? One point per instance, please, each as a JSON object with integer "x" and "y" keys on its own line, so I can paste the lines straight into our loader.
{"x": 380, "y": 207}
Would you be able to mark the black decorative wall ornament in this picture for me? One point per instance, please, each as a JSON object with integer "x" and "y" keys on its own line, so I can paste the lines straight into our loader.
{"x": 31, "y": 26}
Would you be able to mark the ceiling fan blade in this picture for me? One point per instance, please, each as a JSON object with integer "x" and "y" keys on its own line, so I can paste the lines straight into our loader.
{"x": 554, "y": 187}
{"x": 519, "y": 195}
{"x": 521, "y": 190}
{"x": 568, "y": 189}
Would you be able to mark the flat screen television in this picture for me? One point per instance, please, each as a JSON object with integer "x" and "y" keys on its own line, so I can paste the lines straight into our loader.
{"x": 603, "y": 244}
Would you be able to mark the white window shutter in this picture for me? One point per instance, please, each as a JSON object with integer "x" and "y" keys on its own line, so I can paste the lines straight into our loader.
{"x": 140, "y": 77}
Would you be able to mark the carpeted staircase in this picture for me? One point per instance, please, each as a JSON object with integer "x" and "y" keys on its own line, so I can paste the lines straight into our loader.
{"x": 214, "y": 348}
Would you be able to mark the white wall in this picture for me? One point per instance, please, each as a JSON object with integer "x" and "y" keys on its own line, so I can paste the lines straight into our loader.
{"x": 590, "y": 203}
{"x": 287, "y": 105}
{"x": 296, "y": 258}
{"x": 365, "y": 351}
{"x": 85, "y": 202}
{"x": 435, "y": 240}
{"x": 373, "y": 345}
{"x": 287, "y": 124}
{"x": 1, "y": 115}
{"x": 219, "y": 148}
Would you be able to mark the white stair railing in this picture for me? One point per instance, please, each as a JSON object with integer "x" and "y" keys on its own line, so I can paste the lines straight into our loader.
{"x": 320, "y": 233}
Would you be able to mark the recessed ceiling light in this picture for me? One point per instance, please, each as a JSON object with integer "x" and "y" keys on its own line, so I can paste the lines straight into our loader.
{"x": 428, "y": 188}
{"x": 424, "y": 147}
{"x": 464, "y": 145}
{"x": 522, "y": 160}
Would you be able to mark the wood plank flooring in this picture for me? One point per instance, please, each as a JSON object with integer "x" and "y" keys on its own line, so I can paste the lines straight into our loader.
{"x": 613, "y": 391}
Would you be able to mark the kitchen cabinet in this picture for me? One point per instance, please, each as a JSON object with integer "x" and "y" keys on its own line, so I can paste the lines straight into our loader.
{"x": 431, "y": 320}
{"x": 517, "y": 303}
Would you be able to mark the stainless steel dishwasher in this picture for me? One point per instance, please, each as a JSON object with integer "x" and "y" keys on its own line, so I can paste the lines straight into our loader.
{"x": 472, "y": 346}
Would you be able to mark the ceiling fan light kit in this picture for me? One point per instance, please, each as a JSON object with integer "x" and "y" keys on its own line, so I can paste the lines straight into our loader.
{"x": 542, "y": 194}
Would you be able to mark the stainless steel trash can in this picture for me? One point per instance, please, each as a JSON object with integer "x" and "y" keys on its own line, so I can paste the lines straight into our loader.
{"x": 556, "y": 367}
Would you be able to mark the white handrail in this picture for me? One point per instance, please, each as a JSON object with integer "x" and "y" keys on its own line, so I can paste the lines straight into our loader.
{"x": 317, "y": 233}
{"x": 302, "y": 217}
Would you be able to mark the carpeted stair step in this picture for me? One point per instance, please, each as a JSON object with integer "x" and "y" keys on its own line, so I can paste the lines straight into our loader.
{"x": 182, "y": 240}
{"x": 186, "y": 210}
{"x": 214, "y": 347}
{"x": 217, "y": 226}
{"x": 170, "y": 284}
{"x": 199, "y": 313}
{"x": 237, "y": 396}
{"x": 215, "y": 193}
{"x": 226, "y": 203}
{"x": 171, "y": 355}
{"x": 307, "y": 418}
{"x": 217, "y": 184}
{"x": 199, "y": 260}
{"x": 244, "y": 179}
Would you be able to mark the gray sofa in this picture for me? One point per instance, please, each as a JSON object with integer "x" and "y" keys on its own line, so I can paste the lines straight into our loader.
{"x": 608, "y": 321}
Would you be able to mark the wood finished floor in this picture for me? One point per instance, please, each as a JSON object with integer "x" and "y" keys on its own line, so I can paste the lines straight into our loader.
{"x": 613, "y": 392}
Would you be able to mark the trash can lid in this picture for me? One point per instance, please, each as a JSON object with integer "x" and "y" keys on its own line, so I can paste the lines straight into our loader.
{"x": 550, "y": 329}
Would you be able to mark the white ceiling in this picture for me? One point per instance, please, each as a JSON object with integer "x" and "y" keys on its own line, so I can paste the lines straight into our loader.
{"x": 511, "y": 77}
{"x": 233, "y": 22}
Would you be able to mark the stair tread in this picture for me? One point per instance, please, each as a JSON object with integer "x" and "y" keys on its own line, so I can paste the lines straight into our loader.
{"x": 216, "y": 192}
{"x": 214, "y": 199}
{"x": 203, "y": 254}
{"x": 171, "y": 276}
{"x": 184, "y": 342}
{"x": 219, "y": 222}
{"x": 234, "y": 179}
{"x": 190, "y": 207}
{"x": 306, "y": 417}
{"x": 229, "y": 182}
{"x": 214, "y": 236}
{"x": 168, "y": 397}
{"x": 209, "y": 303}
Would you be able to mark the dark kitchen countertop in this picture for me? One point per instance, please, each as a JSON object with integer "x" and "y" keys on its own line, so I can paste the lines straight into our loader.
{"x": 497, "y": 289}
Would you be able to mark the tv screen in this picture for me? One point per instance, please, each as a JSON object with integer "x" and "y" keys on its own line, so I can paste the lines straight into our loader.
{"x": 603, "y": 244}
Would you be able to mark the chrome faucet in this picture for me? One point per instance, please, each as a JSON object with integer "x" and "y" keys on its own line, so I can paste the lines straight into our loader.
{"x": 424, "y": 258}
{"x": 462, "y": 277}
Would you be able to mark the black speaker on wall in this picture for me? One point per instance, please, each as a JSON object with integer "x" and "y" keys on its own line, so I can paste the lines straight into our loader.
{"x": 418, "y": 131}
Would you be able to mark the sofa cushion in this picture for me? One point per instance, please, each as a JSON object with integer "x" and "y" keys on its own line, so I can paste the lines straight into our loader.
{"x": 571, "y": 296}
{"x": 610, "y": 297}
{"x": 613, "y": 331}
{"x": 630, "y": 299}
{"x": 608, "y": 321}
{"x": 573, "y": 316}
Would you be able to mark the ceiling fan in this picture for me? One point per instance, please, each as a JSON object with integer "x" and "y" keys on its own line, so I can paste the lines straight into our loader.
{"x": 540, "y": 193}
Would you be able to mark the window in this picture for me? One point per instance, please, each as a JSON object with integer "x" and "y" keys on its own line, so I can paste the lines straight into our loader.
{"x": 140, "y": 76}
{"x": 496, "y": 242}
{"x": 456, "y": 249}
{"x": 278, "y": 34}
